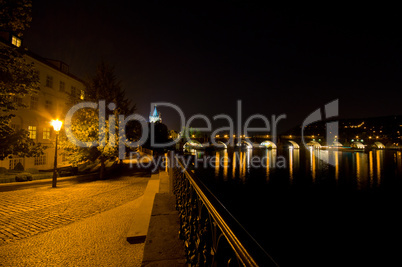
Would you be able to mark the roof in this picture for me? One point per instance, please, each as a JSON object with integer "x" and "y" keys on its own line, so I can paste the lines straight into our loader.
{"x": 155, "y": 114}
{"x": 54, "y": 64}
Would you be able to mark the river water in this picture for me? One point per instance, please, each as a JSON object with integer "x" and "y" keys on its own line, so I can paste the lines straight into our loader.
{"x": 306, "y": 212}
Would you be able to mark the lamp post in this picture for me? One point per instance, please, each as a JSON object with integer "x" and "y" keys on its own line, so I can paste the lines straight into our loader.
{"x": 56, "y": 126}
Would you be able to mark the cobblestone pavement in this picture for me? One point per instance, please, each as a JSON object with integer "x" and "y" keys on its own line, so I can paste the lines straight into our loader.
{"x": 27, "y": 212}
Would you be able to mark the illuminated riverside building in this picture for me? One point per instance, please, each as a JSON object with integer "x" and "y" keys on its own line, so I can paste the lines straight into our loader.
{"x": 57, "y": 88}
{"x": 155, "y": 116}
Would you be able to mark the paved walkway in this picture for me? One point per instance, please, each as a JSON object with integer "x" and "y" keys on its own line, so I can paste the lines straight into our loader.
{"x": 44, "y": 226}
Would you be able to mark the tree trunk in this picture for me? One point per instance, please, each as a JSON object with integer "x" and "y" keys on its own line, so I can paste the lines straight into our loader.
{"x": 102, "y": 169}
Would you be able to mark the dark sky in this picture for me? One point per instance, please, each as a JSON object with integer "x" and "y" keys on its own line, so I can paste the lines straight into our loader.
{"x": 205, "y": 56}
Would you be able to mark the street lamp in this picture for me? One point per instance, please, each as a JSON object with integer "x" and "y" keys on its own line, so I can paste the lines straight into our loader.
{"x": 56, "y": 126}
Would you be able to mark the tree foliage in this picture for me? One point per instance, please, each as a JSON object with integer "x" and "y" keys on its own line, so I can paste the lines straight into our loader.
{"x": 189, "y": 132}
{"x": 15, "y": 16}
{"x": 102, "y": 86}
{"x": 17, "y": 79}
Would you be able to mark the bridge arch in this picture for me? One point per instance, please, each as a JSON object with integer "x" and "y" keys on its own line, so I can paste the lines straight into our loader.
{"x": 357, "y": 145}
{"x": 336, "y": 144}
{"x": 245, "y": 143}
{"x": 379, "y": 145}
{"x": 220, "y": 144}
{"x": 268, "y": 144}
{"x": 192, "y": 144}
{"x": 314, "y": 144}
{"x": 293, "y": 145}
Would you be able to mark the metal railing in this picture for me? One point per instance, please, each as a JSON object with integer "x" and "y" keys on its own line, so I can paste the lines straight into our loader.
{"x": 211, "y": 235}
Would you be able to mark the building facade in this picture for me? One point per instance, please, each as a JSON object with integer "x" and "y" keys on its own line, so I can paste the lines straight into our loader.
{"x": 58, "y": 88}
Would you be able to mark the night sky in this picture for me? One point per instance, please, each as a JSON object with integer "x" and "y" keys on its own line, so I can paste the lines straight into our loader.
{"x": 204, "y": 57}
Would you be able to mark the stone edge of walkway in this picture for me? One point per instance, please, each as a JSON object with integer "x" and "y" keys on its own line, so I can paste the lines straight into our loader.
{"x": 162, "y": 245}
{"x": 157, "y": 211}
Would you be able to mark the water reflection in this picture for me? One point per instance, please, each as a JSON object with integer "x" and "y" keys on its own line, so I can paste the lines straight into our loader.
{"x": 267, "y": 165}
{"x": 371, "y": 169}
{"x": 360, "y": 170}
{"x": 313, "y": 159}
{"x": 336, "y": 160}
{"x": 217, "y": 163}
{"x": 294, "y": 162}
{"x": 379, "y": 159}
{"x": 225, "y": 164}
{"x": 244, "y": 162}
{"x": 291, "y": 165}
{"x": 269, "y": 157}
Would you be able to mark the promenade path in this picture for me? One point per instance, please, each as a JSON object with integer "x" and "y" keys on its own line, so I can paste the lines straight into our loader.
{"x": 79, "y": 223}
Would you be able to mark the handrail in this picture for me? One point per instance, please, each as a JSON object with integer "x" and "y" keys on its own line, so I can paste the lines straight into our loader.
{"x": 203, "y": 231}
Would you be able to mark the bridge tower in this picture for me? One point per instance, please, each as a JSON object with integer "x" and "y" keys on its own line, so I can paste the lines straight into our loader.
{"x": 155, "y": 116}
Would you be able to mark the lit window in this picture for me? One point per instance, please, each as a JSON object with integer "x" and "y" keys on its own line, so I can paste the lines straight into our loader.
{"x": 62, "y": 86}
{"x": 16, "y": 41}
{"x": 32, "y": 132}
{"x": 82, "y": 95}
{"x": 46, "y": 133}
{"x": 41, "y": 160}
{"x": 49, "y": 81}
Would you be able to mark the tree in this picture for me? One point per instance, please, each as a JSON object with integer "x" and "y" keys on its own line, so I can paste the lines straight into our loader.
{"x": 159, "y": 134}
{"x": 15, "y": 16}
{"x": 189, "y": 132}
{"x": 17, "y": 79}
{"x": 103, "y": 85}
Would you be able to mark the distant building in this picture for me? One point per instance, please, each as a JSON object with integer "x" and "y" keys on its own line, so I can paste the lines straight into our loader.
{"x": 58, "y": 87}
{"x": 155, "y": 116}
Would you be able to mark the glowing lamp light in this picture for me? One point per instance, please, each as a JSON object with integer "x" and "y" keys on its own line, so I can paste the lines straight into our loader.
{"x": 56, "y": 124}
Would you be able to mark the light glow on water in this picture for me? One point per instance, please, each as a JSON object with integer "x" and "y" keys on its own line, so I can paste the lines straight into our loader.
{"x": 360, "y": 170}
